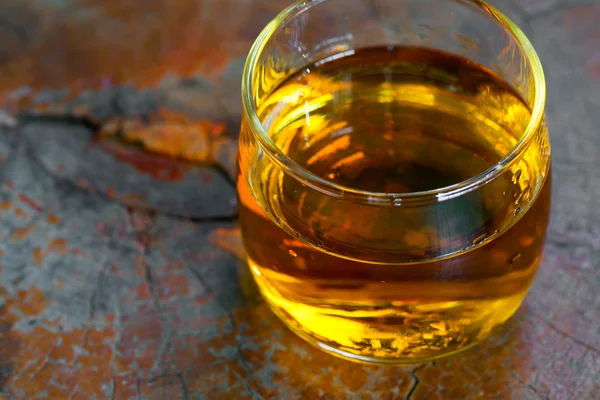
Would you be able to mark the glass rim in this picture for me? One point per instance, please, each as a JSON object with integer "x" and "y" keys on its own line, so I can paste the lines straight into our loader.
{"x": 335, "y": 190}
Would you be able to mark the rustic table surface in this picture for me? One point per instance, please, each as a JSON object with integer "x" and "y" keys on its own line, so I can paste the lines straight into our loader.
{"x": 118, "y": 270}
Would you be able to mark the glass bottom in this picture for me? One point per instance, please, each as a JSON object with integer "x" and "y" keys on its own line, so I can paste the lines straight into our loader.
{"x": 396, "y": 333}
{"x": 339, "y": 352}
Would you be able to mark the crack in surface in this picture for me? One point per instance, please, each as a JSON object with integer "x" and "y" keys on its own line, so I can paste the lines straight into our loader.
{"x": 416, "y": 380}
{"x": 233, "y": 322}
{"x": 138, "y": 388}
{"x": 73, "y": 392}
{"x": 69, "y": 119}
{"x": 164, "y": 350}
{"x": 115, "y": 343}
{"x": 93, "y": 302}
{"x": 184, "y": 389}
{"x": 38, "y": 371}
{"x": 568, "y": 336}
{"x": 17, "y": 30}
{"x": 113, "y": 388}
{"x": 152, "y": 289}
{"x": 84, "y": 343}
{"x": 525, "y": 384}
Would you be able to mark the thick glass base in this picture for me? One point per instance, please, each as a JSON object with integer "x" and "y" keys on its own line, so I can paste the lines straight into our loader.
{"x": 361, "y": 358}
{"x": 395, "y": 333}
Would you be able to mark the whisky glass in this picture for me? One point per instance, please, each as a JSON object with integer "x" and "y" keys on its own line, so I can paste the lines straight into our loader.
{"x": 393, "y": 174}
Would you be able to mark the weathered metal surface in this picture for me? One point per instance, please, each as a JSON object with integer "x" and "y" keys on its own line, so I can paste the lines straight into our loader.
{"x": 110, "y": 283}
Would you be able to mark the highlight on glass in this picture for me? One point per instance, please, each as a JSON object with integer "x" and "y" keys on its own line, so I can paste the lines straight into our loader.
{"x": 394, "y": 174}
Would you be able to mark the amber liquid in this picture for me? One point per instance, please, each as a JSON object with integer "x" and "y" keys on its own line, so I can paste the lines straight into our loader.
{"x": 387, "y": 284}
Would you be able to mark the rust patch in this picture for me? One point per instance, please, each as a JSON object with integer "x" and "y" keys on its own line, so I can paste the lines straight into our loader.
{"x": 133, "y": 198}
{"x": 46, "y": 355}
{"x": 173, "y": 135}
{"x": 22, "y": 214}
{"x": 22, "y": 233}
{"x": 53, "y": 219}
{"x": 58, "y": 246}
{"x": 30, "y": 202}
{"x": 190, "y": 38}
{"x": 38, "y": 256}
{"x": 160, "y": 168}
{"x": 173, "y": 287}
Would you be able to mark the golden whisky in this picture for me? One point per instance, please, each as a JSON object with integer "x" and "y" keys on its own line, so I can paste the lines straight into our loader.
{"x": 407, "y": 280}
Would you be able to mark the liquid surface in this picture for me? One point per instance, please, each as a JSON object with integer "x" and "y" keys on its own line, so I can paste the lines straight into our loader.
{"x": 392, "y": 284}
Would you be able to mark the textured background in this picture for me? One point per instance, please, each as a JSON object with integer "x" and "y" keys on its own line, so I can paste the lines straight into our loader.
{"x": 111, "y": 285}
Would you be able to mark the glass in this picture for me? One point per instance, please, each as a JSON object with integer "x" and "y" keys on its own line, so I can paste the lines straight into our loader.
{"x": 394, "y": 173}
